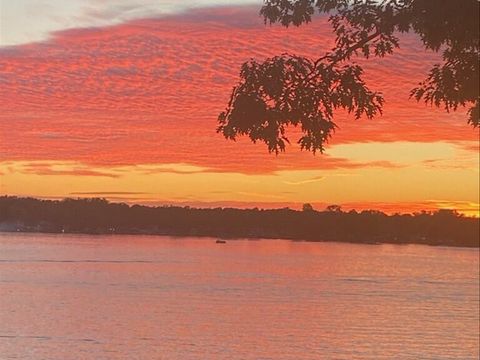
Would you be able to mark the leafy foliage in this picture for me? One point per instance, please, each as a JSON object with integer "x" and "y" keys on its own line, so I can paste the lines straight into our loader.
{"x": 290, "y": 90}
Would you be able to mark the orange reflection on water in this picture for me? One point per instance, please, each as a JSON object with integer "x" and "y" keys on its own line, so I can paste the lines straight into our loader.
{"x": 117, "y": 297}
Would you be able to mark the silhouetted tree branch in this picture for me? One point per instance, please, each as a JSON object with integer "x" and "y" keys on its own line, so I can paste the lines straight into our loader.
{"x": 290, "y": 90}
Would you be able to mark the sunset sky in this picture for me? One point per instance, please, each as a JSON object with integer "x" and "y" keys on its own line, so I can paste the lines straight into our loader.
{"x": 119, "y": 99}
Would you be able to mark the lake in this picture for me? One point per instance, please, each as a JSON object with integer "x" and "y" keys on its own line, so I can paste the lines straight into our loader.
{"x": 151, "y": 297}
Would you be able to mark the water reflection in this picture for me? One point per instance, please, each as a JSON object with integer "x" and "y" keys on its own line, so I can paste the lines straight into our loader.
{"x": 124, "y": 297}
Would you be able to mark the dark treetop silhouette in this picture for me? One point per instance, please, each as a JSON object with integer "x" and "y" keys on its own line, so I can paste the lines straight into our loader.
{"x": 98, "y": 216}
{"x": 293, "y": 90}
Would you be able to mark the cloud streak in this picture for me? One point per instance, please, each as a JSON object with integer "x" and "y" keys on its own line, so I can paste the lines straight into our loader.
{"x": 46, "y": 169}
{"x": 306, "y": 181}
{"x": 108, "y": 193}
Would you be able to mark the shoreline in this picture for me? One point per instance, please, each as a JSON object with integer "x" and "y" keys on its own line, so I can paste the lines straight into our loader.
{"x": 98, "y": 216}
{"x": 212, "y": 237}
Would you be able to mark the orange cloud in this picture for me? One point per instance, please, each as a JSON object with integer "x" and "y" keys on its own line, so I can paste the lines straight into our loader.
{"x": 49, "y": 169}
{"x": 149, "y": 91}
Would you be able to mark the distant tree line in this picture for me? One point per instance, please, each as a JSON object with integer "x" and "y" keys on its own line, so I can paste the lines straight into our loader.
{"x": 98, "y": 216}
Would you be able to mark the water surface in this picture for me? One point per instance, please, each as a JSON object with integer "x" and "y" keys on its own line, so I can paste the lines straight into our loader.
{"x": 148, "y": 297}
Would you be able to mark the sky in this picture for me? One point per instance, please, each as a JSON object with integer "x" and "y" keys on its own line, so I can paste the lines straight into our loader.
{"x": 119, "y": 99}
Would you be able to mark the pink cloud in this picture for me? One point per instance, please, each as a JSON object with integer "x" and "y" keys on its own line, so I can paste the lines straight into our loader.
{"x": 149, "y": 91}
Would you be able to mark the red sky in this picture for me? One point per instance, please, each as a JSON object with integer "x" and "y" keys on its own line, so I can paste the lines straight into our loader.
{"x": 129, "y": 112}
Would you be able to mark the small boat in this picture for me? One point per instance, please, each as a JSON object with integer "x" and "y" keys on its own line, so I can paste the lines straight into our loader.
{"x": 220, "y": 241}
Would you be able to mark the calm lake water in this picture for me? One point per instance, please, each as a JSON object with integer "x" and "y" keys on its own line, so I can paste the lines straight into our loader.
{"x": 146, "y": 297}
